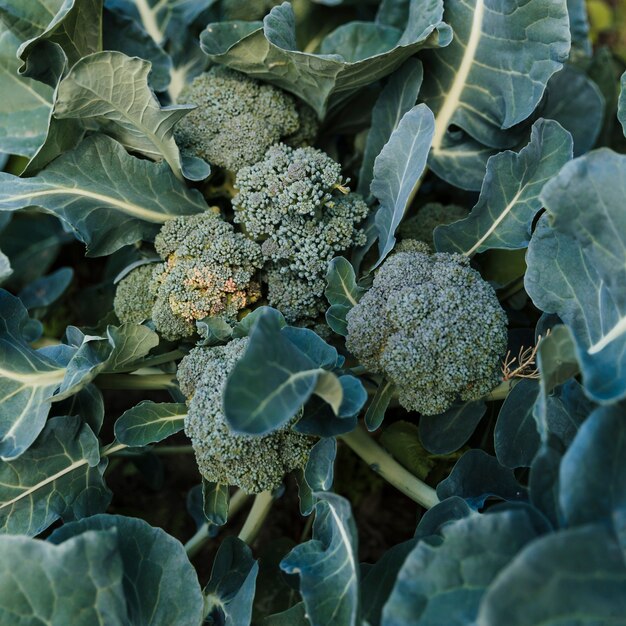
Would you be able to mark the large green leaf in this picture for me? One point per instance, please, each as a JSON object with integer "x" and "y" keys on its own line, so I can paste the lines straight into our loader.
{"x": 574, "y": 577}
{"x": 328, "y": 565}
{"x": 28, "y": 379}
{"x": 131, "y": 342}
{"x": 160, "y": 584}
{"x": 78, "y": 582}
{"x": 444, "y": 584}
{"x": 270, "y": 383}
{"x": 109, "y": 198}
{"x": 509, "y": 198}
{"x": 25, "y": 105}
{"x": 397, "y": 98}
{"x": 59, "y": 476}
{"x": 59, "y": 32}
{"x": 112, "y": 89}
{"x": 577, "y": 265}
{"x": 397, "y": 170}
{"x": 150, "y": 422}
{"x": 268, "y": 51}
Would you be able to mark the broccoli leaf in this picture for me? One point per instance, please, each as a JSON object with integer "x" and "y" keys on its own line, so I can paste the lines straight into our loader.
{"x": 150, "y": 422}
{"x": 42, "y": 582}
{"x": 59, "y": 476}
{"x": 458, "y": 571}
{"x": 268, "y": 51}
{"x": 509, "y": 198}
{"x": 549, "y": 571}
{"x": 109, "y": 198}
{"x": 47, "y": 289}
{"x": 375, "y": 413}
{"x": 621, "y": 108}
{"x": 577, "y": 266}
{"x": 397, "y": 98}
{"x": 493, "y": 74}
{"x": 342, "y": 292}
{"x": 160, "y": 584}
{"x": 132, "y": 115}
{"x": 397, "y": 170}
{"x": 327, "y": 565}
{"x": 25, "y": 106}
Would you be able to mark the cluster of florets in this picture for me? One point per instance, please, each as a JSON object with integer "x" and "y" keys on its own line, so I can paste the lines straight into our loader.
{"x": 238, "y": 118}
{"x": 427, "y": 218}
{"x": 253, "y": 463}
{"x": 295, "y": 202}
{"x": 432, "y": 326}
{"x": 208, "y": 270}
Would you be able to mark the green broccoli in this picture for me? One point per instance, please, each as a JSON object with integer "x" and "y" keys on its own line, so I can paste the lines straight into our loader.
{"x": 253, "y": 463}
{"x": 133, "y": 298}
{"x": 295, "y": 202}
{"x": 427, "y": 218}
{"x": 208, "y": 271}
{"x": 432, "y": 326}
{"x": 238, "y": 118}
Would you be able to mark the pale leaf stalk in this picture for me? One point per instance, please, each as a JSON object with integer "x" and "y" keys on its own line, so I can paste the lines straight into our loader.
{"x": 257, "y": 516}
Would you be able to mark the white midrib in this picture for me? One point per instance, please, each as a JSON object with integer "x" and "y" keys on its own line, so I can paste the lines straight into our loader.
{"x": 344, "y": 538}
{"x": 495, "y": 224}
{"x": 615, "y": 332}
{"x": 453, "y": 97}
{"x": 59, "y": 474}
{"x": 126, "y": 207}
{"x": 35, "y": 380}
{"x": 148, "y": 17}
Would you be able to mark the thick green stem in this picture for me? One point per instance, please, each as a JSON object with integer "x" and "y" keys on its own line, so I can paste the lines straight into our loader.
{"x": 259, "y": 511}
{"x": 159, "y": 359}
{"x": 131, "y": 381}
{"x": 386, "y": 466}
{"x": 237, "y": 502}
{"x": 502, "y": 390}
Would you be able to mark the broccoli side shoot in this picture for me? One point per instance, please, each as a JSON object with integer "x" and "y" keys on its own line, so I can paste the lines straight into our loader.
{"x": 427, "y": 218}
{"x": 432, "y": 326}
{"x": 133, "y": 298}
{"x": 252, "y": 463}
{"x": 237, "y": 118}
{"x": 208, "y": 270}
{"x": 295, "y": 202}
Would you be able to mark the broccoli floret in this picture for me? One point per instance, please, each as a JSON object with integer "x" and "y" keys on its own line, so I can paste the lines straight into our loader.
{"x": 208, "y": 271}
{"x": 294, "y": 202}
{"x": 250, "y": 462}
{"x": 250, "y": 10}
{"x": 427, "y": 218}
{"x": 432, "y": 326}
{"x": 133, "y": 299}
{"x": 237, "y": 118}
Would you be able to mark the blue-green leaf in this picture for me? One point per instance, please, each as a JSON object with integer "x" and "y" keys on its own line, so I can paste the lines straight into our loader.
{"x": 160, "y": 584}
{"x": 397, "y": 98}
{"x": 79, "y": 582}
{"x": 377, "y": 408}
{"x": 621, "y": 110}
{"x": 397, "y": 170}
{"x": 327, "y": 564}
{"x": 444, "y": 584}
{"x": 59, "y": 476}
{"x": 46, "y": 290}
{"x": 577, "y": 266}
{"x": 342, "y": 293}
{"x": 130, "y": 343}
{"x": 574, "y": 576}
{"x": 267, "y": 50}
{"x": 509, "y": 198}
{"x": 215, "y": 501}
{"x": 270, "y": 383}
{"x": 150, "y": 422}
{"x": 319, "y": 469}
{"x": 108, "y": 197}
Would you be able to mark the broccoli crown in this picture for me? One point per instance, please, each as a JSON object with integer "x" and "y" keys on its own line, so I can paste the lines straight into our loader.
{"x": 427, "y": 218}
{"x": 432, "y": 326}
{"x": 250, "y": 462}
{"x": 237, "y": 118}
{"x": 208, "y": 271}
{"x": 294, "y": 201}
{"x": 133, "y": 299}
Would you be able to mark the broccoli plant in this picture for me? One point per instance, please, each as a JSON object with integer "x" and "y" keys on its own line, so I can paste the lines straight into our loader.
{"x": 312, "y": 313}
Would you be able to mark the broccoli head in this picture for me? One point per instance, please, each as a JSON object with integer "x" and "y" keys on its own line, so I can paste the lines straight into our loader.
{"x": 237, "y": 118}
{"x": 133, "y": 298}
{"x": 427, "y": 218}
{"x": 295, "y": 202}
{"x": 432, "y": 326}
{"x": 253, "y": 463}
{"x": 208, "y": 271}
